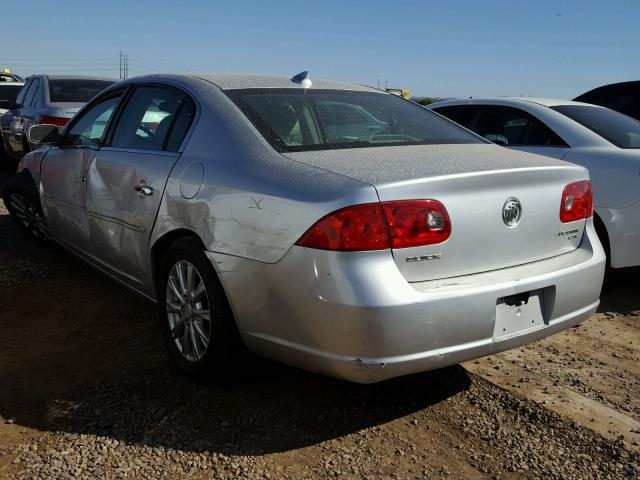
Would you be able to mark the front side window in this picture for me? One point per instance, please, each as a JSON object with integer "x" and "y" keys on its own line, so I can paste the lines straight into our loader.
{"x": 91, "y": 127}
{"x": 617, "y": 128}
{"x": 75, "y": 90}
{"x": 154, "y": 119}
{"x": 302, "y": 120}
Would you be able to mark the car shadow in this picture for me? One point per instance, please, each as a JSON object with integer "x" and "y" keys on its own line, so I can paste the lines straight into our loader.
{"x": 620, "y": 292}
{"x": 82, "y": 355}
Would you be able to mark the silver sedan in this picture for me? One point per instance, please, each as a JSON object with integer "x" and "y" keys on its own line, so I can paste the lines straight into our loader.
{"x": 602, "y": 140}
{"x": 330, "y": 226}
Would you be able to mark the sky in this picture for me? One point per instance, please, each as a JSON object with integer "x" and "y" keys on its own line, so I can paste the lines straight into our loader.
{"x": 444, "y": 49}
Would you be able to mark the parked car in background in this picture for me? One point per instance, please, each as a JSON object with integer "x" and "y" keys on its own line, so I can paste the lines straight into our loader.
{"x": 623, "y": 97}
{"x": 367, "y": 255}
{"x": 8, "y": 93}
{"x": 603, "y": 140}
{"x": 51, "y": 99}
{"x": 7, "y": 76}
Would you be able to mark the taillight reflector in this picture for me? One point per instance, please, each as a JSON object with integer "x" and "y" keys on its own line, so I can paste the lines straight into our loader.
{"x": 379, "y": 226}
{"x": 577, "y": 202}
{"x": 58, "y": 121}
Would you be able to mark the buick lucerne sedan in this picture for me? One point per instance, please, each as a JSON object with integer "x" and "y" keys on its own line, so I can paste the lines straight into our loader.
{"x": 333, "y": 227}
{"x": 604, "y": 141}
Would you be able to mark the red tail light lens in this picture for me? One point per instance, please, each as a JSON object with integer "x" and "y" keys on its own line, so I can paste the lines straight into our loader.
{"x": 577, "y": 202}
{"x": 379, "y": 226}
{"x": 59, "y": 121}
{"x": 416, "y": 222}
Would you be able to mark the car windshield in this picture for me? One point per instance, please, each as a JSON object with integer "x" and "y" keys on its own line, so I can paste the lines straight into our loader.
{"x": 9, "y": 92}
{"x": 303, "y": 120}
{"x": 75, "y": 90}
{"x": 619, "y": 129}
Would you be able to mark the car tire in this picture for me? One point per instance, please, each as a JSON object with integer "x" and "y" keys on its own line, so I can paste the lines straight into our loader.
{"x": 204, "y": 347}
{"x": 23, "y": 202}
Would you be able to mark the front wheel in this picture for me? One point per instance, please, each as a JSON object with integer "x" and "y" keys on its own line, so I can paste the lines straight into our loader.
{"x": 23, "y": 204}
{"x": 198, "y": 326}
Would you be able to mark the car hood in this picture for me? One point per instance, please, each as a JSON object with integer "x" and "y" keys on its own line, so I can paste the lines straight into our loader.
{"x": 384, "y": 165}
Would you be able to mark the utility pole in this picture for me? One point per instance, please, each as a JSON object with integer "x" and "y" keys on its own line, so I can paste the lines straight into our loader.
{"x": 124, "y": 66}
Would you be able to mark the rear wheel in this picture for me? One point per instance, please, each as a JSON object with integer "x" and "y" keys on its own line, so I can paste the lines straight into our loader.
{"x": 198, "y": 326}
{"x": 23, "y": 203}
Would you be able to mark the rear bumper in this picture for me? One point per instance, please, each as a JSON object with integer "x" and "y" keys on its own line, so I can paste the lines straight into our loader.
{"x": 353, "y": 316}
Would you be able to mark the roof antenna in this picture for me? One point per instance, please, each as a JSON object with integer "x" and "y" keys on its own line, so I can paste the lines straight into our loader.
{"x": 303, "y": 79}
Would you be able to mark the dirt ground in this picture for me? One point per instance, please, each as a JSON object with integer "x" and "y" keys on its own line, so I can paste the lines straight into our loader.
{"x": 86, "y": 391}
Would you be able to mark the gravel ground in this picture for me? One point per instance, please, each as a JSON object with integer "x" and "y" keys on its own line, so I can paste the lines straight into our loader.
{"x": 88, "y": 392}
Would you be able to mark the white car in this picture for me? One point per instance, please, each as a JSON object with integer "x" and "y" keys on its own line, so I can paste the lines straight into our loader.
{"x": 603, "y": 140}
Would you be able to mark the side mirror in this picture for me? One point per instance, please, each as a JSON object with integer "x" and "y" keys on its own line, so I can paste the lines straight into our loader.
{"x": 6, "y": 104}
{"x": 44, "y": 134}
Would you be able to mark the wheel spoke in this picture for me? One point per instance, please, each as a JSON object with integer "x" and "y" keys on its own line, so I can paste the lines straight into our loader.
{"x": 190, "y": 278}
{"x": 181, "y": 278}
{"x": 173, "y": 307}
{"x": 194, "y": 343}
{"x": 185, "y": 340}
{"x": 202, "y": 313}
{"x": 175, "y": 289}
{"x": 201, "y": 335}
{"x": 200, "y": 289}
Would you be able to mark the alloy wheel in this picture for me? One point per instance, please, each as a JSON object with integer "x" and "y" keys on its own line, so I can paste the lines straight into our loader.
{"x": 188, "y": 311}
{"x": 29, "y": 215}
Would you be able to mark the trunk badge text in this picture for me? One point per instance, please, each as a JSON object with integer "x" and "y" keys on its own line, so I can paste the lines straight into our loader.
{"x": 512, "y": 212}
{"x": 424, "y": 258}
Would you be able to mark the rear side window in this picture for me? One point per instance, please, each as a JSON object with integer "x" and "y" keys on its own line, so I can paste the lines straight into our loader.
{"x": 621, "y": 130}
{"x": 31, "y": 98}
{"x": 293, "y": 120}
{"x": 507, "y": 126}
{"x": 23, "y": 93}
{"x": 461, "y": 114}
{"x": 75, "y": 90}
{"x": 155, "y": 118}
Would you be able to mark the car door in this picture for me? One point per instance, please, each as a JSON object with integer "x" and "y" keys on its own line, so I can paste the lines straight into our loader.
{"x": 64, "y": 173}
{"x": 126, "y": 179}
{"x": 12, "y": 123}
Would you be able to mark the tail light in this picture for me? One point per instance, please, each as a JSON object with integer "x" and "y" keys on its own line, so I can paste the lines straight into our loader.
{"x": 58, "y": 121}
{"x": 577, "y": 202}
{"x": 379, "y": 226}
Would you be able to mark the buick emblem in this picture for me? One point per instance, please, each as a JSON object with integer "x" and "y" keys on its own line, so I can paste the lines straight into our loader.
{"x": 512, "y": 212}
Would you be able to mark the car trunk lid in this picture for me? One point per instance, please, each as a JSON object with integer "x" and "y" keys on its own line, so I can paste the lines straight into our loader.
{"x": 475, "y": 184}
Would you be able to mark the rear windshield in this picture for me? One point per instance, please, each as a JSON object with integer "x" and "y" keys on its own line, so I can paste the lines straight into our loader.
{"x": 9, "y": 92}
{"x": 619, "y": 129}
{"x": 303, "y": 120}
{"x": 75, "y": 90}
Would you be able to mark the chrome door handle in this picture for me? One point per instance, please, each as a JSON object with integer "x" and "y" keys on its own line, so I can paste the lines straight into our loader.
{"x": 144, "y": 189}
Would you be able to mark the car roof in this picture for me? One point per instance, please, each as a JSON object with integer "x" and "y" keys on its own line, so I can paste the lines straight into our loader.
{"x": 230, "y": 81}
{"x": 72, "y": 77}
{"x": 546, "y": 102}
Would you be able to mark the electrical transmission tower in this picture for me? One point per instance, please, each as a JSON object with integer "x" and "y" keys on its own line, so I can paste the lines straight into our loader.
{"x": 124, "y": 66}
